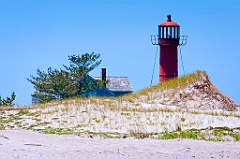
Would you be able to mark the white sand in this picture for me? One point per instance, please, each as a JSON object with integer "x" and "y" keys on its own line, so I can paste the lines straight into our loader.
{"x": 23, "y": 144}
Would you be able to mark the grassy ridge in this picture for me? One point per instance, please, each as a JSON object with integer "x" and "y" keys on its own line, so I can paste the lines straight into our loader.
{"x": 136, "y": 115}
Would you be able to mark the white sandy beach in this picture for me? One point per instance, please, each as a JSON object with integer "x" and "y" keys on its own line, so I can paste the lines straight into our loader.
{"x": 24, "y": 144}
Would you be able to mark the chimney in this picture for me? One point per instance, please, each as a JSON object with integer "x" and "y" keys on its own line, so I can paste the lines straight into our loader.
{"x": 103, "y": 75}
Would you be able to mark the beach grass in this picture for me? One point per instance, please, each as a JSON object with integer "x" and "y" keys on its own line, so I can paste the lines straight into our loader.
{"x": 144, "y": 114}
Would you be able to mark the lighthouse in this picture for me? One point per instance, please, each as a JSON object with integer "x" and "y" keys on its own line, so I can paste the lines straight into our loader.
{"x": 168, "y": 39}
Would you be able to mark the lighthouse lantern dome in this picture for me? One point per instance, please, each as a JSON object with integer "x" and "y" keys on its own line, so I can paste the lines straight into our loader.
{"x": 168, "y": 29}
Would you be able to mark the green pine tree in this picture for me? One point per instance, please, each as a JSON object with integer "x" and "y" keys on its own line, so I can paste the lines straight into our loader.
{"x": 80, "y": 66}
{"x": 70, "y": 82}
{"x": 8, "y": 101}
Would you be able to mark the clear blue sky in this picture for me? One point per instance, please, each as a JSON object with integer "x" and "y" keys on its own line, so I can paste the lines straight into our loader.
{"x": 42, "y": 33}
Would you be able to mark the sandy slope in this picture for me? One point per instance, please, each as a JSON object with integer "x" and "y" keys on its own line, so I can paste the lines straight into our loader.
{"x": 180, "y": 105}
{"x": 25, "y": 144}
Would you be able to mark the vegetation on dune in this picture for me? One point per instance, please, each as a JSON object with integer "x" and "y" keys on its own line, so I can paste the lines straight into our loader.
{"x": 209, "y": 134}
{"x": 194, "y": 90}
{"x": 8, "y": 101}
{"x": 127, "y": 116}
{"x": 173, "y": 84}
{"x": 168, "y": 88}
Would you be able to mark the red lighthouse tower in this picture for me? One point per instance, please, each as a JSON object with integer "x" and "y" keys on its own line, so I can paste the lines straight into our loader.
{"x": 168, "y": 39}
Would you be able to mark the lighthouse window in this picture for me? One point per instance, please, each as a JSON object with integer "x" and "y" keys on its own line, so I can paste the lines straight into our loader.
{"x": 176, "y": 32}
{"x": 173, "y": 32}
{"x": 162, "y": 32}
{"x": 165, "y": 32}
{"x": 169, "y": 34}
{"x": 159, "y": 32}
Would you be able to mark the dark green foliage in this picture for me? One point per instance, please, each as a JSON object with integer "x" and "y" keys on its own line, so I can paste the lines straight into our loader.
{"x": 70, "y": 82}
{"x": 8, "y": 101}
{"x": 80, "y": 66}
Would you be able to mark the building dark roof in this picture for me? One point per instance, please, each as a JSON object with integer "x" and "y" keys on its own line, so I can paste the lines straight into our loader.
{"x": 116, "y": 86}
{"x": 117, "y": 83}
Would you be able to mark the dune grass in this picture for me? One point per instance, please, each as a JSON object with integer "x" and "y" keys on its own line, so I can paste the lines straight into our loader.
{"x": 137, "y": 115}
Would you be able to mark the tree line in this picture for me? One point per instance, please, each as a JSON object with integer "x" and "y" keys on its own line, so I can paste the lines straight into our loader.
{"x": 69, "y": 82}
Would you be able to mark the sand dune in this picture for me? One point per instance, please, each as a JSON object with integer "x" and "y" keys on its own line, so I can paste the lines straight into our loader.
{"x": 191, "y": 106}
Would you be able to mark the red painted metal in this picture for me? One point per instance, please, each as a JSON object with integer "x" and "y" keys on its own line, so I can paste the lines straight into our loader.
{"x": 168, "y": 67}
{"x": 168, "y": 62}
{"x": 169, "y": 22}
